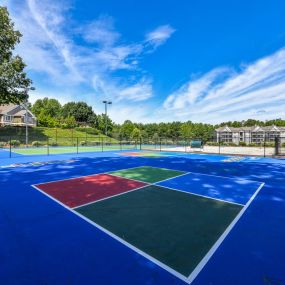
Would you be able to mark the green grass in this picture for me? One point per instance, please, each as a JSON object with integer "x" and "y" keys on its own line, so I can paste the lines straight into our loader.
{"x": 176, "y": 228}
{"x": 147, "y": 173}
{"x": 63, "y": 137}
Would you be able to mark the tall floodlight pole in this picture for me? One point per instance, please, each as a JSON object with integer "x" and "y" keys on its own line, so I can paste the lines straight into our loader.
{"x": 26, "y": 116}
{"x": 106, "y": 121}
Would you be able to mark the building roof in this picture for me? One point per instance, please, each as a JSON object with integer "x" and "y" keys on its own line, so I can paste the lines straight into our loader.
{"x": 251, "y": 129}
{"x": 4, "y": 109}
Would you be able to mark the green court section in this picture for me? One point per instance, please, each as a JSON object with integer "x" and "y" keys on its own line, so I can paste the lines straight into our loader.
{"x": 176, "y": 228}
{"x": 147, "y": 173}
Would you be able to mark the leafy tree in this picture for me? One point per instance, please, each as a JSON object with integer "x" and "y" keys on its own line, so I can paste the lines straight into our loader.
{"x": 101, "y": 123}
{"x": 136, "y": 134}
{"x": 49, "y": 107}
{"x": 127, "y": 129}
{"x": 14, "y": 82}
{"x": 79, "y": 110}
{"x": 156, "y": 137}
{"x": 46, "y": 120}
{"x": 186, "y": 130}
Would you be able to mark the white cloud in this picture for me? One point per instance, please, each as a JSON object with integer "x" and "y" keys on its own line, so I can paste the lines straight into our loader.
{"x": 137, "y": 91}
{"x": 222, "y": 94}
{"x": 50, "y": 48}
{"x": 159, "y": 35}
{"x": 101, "y": 31}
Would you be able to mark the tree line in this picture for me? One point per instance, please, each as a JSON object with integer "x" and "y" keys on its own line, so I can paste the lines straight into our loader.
{"x": 50, "y": 113}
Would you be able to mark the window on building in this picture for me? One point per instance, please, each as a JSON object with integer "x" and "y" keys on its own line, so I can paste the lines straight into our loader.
{"x": 7, "y": 118}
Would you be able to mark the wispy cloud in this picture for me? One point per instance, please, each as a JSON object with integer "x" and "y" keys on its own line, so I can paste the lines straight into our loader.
{"x": 225, "y": 94}
{"x": 51, "y": 49}
{"x": 136, "y": 91}
{"x": 101, "y": 31}
{"x": 159, "y": 35}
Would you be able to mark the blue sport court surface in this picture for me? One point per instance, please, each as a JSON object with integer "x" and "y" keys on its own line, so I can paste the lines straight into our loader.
{"x": 139, "y": 217}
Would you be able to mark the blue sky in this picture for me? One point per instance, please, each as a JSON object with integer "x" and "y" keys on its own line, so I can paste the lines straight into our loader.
{"x": 205, "y": 61}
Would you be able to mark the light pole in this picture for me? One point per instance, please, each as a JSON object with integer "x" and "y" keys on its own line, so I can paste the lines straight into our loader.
{"x": 106, "y": 121}
{"x": 26, "y": 115}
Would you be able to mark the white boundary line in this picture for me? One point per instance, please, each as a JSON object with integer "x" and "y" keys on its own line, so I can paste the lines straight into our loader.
{"x": 110, "y": 173}
{"x": 109, "y": 197}
{"x": 71, "y": 178}
{"x": 191, "y": 193}
{"x": 220, "y": 176}
{"x": 164, "y": 186}
{"x": 205, "y": 259}
{"x": 210, "y": 253}
{"x": 157, "y": 262}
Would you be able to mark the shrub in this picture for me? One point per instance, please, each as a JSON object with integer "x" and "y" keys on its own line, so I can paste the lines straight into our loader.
{"x": 3, "y": 144}
{"x": 90, "y": 131}
{"x": 36, "y": 143}
{"x": 283, "y": 144}
{"x": 95, "y": 143}
{"x": 269, "y": 144}
{"x": 15, "y": 143}
{"x": 242, "y": 143}
{"x": 253, "y": 144}
{"x": 212, "y": 143}
{"x": 53, "y": 144}
{"x": 83, "y": 143}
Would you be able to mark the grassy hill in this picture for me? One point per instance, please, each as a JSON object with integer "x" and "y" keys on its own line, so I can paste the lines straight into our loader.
{"x": 58, "y": 136}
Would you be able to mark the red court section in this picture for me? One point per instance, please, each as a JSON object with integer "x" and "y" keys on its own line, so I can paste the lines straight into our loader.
{"x": 82, "y": 190}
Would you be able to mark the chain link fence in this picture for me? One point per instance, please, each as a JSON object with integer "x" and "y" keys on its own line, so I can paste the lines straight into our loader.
{"x": 267, "y": 146}
{"x": 13, "y": 146}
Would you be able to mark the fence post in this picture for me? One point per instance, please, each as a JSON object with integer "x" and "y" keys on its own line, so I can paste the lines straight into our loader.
{"x": 140, "y": 143}
{"x": 276, "y": 139}
{"x": 102, "y": 139}
{"x": 47, "y": 146}
{"x": 219, "y": 145}
{"x": 159, "y": 144}
{"x": 264, "y": 144}
{"x": 77, "y": 145}
{"x": 10, "y": 147}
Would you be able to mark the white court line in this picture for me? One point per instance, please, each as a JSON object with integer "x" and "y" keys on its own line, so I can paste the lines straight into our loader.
{"x": 206, "y": 258}
{"x": 210, "y": 253}
{"x": 71, "y": 178}
{"x": 109, "y": 197}
{"x": 225, "y": 177}
{"x": 110, "y": 173}
{"x": 191, "y": 193}
{"x": 137, "y": 250}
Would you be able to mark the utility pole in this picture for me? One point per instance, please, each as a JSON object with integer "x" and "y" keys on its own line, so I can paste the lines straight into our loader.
{"x": 26, "y": 115}
{"x": 106, "y": 121}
